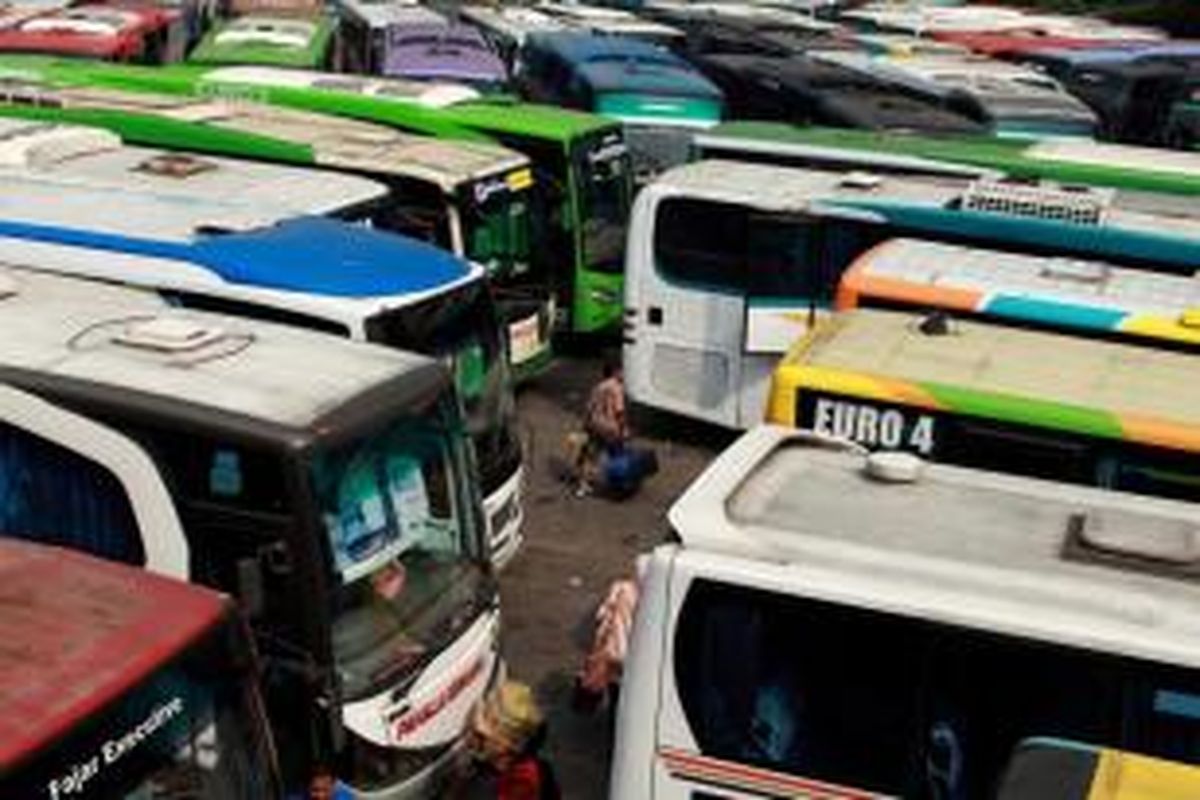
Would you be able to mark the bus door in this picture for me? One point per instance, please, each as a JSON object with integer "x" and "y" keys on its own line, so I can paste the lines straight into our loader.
{"x": 68, "y": 481}
{"x": 685, "y": 306}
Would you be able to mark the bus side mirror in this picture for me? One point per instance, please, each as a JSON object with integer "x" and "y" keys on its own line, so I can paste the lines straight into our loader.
{"x": 250, "y": 587}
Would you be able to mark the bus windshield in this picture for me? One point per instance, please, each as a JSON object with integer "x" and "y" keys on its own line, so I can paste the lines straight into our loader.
{"x": 404, "y": 547}
{"x": 193, "y": 729}
{"x": 496, "y": 220}
{"x": 602, "y": 172}
{"x": 460, "y": 328}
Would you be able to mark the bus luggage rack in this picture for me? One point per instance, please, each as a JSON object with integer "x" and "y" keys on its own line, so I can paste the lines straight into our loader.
{"x": 1080, "y": 205}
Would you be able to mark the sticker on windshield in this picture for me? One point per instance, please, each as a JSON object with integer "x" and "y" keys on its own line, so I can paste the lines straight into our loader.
{"x": 406, "y": 488}
{"x": 359, "y": 529}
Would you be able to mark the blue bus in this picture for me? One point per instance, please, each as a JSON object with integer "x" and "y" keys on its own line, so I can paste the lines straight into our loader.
{"x": 660, "y": 97}
{"x": 258, "y": 259}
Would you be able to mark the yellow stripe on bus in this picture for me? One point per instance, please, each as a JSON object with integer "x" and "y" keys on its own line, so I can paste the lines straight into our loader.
{"x": 793, "y": 379}
{"x": 1124, "y": 776}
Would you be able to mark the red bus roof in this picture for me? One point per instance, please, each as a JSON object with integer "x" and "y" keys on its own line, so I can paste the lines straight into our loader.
{"x": 94, "y": 31}
{"x": 76, "y": 632}
{"x": 1019, "y": 42}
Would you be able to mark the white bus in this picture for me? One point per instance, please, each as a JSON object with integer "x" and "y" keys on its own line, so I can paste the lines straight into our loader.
{"x": 728, "y": 263}
{"x": 326, "y": 484}
{"x": 224, "y": 236}
{"x": 839, "y": 626}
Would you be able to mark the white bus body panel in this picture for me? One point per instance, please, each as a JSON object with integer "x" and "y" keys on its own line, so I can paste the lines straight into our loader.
{"x": 162, "y": 536}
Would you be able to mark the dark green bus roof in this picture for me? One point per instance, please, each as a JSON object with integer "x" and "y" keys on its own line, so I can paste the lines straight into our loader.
{"x": 1066, "y": 161}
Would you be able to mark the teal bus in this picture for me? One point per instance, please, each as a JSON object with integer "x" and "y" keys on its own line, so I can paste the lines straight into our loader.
{"x": 581, "y": 164}
{"x": 472, "y": 198}
{"x": 1079, "y": 161}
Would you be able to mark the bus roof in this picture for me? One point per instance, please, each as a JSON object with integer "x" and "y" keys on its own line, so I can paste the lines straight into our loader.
{"x": 1108, "y": 389}
{"x": 244, "y": 128}
{"x": 255, "y": 374}
{"x": 623, "y": 64}
{"x": 90, "y": 30}
{"x": 90, "y": 157}
{"x": 447, "y": 109}
{"x": 78, "y": 632}
{"x": 956, "y": 546}
{"x": 1070, "y": 160}
{"x": 1153, "y": 227}
{"x": 282, "y": 40}
{"x": 1061, "y": 292}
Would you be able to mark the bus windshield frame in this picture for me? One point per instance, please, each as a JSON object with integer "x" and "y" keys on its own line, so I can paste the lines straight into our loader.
{"x": 420, "y": 578}
{"x": 495, "y": 215}
{"x": 194, "y": 724}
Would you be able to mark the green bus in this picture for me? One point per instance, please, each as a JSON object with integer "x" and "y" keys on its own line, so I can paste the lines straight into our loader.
{"x": 472, "y": 198}
{"x": 1074, "y": 161}
{"x": 268, "y": 39}
{"x": 582, "y": 175}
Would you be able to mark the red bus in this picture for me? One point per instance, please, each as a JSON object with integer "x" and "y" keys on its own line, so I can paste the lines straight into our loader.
{"x": 137, "y": 33}
{"x": 119, "y": 683}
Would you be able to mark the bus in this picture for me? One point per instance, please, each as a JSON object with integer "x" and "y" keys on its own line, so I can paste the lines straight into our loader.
{"x": 1105, "y": 414}
{"x": 802, "y": 90}
{"x": 363, "y": 28}
{"x": 141, "y": 33}
{"x": 1011, "y": 99}
{"x": 1045, "y": 768}
{"x": 325, "y": 484}
{"x": 729, "y": 263}
{"x": 297, "y": 35}
{"x": 657, "y": 95}
{"x": 1068, "y": 161}
{"x": 118, "y": 683}
{"x": 581, "y": 163}
{"x": 471, "y": 198}
{"x": 1076, "y": 296}
{"x": 231, "y": 237}
{"x": 840, "y": 626}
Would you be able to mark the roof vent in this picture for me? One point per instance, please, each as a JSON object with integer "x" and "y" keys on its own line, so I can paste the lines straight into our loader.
{"x": 1069, "y": 270}
{"x": 1169, "y": 549}
{"x": 1083, "y": 205}
{"x": 858, "y": 179}
{"x": 175, "y": 165}
{"x": 894, "y": 467}
{"x": 167, "y": 335}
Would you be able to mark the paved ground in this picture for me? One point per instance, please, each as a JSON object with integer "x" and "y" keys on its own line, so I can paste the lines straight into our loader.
{"x": 574, "y": 547}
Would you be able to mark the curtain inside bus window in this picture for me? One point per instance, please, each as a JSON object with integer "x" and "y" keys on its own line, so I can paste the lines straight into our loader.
{"x": 702, "y": 244}
{"x": 53, "y": 495}
{"x": 817, "y": 690}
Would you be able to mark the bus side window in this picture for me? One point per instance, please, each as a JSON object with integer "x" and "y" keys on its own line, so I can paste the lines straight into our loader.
{"x": 702, "y": 243}
{"x": 806, "y": 694}
{"x": 779, "y": 249}
{"x": 1162, "y": 475}
{"x": 53, "y": 495}
{"x": 994, "y": 446}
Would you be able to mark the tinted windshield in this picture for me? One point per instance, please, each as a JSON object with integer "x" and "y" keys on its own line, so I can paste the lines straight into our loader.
{"x": 603, "y": 175}
{"x": 461, "y": 328}
{"x": 193, "y": 729}
{"x": 496, "y": 220}
{"x": 405, "y": 549}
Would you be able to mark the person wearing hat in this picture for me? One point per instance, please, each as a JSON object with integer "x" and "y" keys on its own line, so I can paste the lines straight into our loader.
{"x": 507, "y": 730}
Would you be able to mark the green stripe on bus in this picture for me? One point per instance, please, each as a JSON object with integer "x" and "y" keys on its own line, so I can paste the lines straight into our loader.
{"x": 1026, "y": 410}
